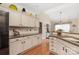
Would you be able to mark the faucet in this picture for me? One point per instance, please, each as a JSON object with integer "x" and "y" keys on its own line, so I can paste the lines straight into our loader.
{"x": 16, "y": 33}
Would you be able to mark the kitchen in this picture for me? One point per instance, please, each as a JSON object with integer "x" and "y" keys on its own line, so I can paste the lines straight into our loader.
{"x": 41, "y": 28}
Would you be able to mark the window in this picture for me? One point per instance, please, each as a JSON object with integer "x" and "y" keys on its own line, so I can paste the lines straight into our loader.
{"x": 64, "y": 27}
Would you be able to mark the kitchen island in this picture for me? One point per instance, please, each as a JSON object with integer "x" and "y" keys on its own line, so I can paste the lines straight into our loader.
{"x": 64, "y": 45}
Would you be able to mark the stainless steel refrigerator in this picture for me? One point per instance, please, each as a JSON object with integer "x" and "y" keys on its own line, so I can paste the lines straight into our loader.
{"x": 4, "y": 24}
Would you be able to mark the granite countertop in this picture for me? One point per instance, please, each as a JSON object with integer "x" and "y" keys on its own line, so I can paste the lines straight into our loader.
{"x": 22, "y": 35}
{"x": 69, "y": 41}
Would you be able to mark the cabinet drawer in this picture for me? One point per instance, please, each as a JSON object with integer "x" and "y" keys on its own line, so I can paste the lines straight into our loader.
{"x": 13, "y": 40}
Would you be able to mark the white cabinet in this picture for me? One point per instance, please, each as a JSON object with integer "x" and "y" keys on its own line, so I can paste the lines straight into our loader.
{"x": 36, "y": 22}
{"x": 25, "y": 43}
{"x": 21, "y": 44}
{"x": 14, "y": 18}
{"x": 31, "y": 21}
{"x": 18, "y": 45}
{"x": 51, "y": 44}
{"x": 39, "y": 39}
{"x": 15, "y": 46}
{"x": 25, "y": 20}
{"x": 61, "y": 47}
{"x": 28, "y": 42}
{"x": 35, "y": 40}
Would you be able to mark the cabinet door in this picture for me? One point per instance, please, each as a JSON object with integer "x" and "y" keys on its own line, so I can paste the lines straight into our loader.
{"x": 35, "y": 41}
{"x": 39, "y": 39}
{"x": 58, "y": 47}
{"x": 29, "y": 42}
{"x": 14, "y": 19}
{"x": 31, "y": 21}
{"x": 25, "y": 19}
{"x": 36, "y": 22}
{"x": 69, "y": 51}
{"x": 54, "y": 45}
{"x": 51, "y": 42}
{"x": 15, "y": 47}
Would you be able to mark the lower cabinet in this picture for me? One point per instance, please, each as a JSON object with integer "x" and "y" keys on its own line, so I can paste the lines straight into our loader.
{"x": 35, "y": 40}
{"x": 26, "y": 43}
{"x": 60, "y": 48}
{"x": 19, "y": 45}
{"x": 29, "y": 43}
{"x": 39, "y": 39}
{"x": 70, "y": 52}
{"x": 15, "y": 46}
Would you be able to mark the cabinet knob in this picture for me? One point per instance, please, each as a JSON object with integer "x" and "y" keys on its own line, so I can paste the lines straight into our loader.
{"x": 17, "y": 39}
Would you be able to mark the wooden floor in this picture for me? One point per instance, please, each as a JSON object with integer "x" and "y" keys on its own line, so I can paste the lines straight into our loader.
{"x": 42, "y": 49}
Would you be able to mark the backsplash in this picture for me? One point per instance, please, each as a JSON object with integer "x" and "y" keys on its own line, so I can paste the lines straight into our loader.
{"x": 24, "y": 31}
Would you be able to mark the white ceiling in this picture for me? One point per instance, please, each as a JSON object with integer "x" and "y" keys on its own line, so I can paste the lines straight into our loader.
{"x": 69, "y": 10}
{"x": 39, "y": 7}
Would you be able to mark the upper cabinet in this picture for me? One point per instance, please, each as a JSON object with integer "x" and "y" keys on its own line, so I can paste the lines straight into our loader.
{"x": 32, "y": 22}
{"x": 14, "y": 18}
{"x": 29, "y": 21}
{"x": 21, "y": 19}
{"x": 36, "y": 22}
{"x": 25, "y": 20}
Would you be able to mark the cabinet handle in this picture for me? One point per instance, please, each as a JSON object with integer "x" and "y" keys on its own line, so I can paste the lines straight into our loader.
{"x": 66, "y": 50}
{"x": 21, "y": 42}
{"x": 24, "y": 41}
{"x": 63, "y": 48}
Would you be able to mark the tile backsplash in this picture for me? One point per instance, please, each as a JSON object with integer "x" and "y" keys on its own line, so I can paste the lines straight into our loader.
{"x": 24, "y": 31}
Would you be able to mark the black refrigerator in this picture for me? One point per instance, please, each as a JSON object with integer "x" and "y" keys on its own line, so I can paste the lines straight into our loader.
{"x": 4, "y": 32}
